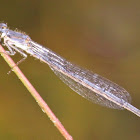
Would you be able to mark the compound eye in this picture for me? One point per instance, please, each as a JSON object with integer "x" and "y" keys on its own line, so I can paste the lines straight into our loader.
{"x": 3, "y": 27}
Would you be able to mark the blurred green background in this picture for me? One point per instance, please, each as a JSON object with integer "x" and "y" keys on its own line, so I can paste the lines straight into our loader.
{"x": 102, "y": 36}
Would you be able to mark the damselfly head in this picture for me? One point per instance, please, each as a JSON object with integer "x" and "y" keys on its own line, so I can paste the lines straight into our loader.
{"x": 3, "y": 26}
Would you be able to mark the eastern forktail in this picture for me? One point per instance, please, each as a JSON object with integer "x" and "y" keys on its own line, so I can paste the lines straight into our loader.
{"x": 89, "y": 85}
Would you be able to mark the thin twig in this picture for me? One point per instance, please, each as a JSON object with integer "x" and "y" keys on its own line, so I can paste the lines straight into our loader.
{"x": 35, "y": 94}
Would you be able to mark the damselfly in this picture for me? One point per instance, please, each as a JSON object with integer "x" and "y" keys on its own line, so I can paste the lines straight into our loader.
{"x": 89, "y": 85}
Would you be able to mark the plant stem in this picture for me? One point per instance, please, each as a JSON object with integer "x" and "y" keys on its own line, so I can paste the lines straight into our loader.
{"x": 35, "y": 94}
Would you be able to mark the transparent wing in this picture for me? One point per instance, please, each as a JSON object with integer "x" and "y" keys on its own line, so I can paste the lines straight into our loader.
{"x": 105, "y": 84}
